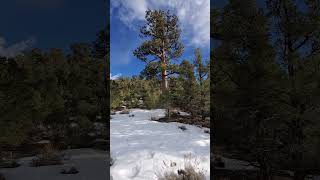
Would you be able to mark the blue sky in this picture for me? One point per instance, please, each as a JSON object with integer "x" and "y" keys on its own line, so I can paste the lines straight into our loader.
{"x": 126, "y": 16}
{"x": 49, "y": 23}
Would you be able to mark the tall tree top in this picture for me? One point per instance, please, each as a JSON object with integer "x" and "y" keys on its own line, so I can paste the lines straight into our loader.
{"x": 163, "y": 30}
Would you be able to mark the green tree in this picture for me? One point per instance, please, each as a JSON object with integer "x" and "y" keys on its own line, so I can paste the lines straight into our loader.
{"x": 162, "y": 29}
{"x": 201, "y": 73}
{"x": 245, "y": 85}
{"x": 296, "y": 29}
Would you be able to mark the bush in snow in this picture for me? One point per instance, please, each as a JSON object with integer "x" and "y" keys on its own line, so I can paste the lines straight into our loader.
{"x": 188, "y": 173}
{"x": 48, "y": 156}
{"x": 9, "y": 164}
{"x": 7, "y": 160}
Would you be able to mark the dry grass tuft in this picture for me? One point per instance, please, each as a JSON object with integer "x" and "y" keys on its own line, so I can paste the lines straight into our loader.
{"x": 189, "y": 172}
{"x": 49, "y": 156}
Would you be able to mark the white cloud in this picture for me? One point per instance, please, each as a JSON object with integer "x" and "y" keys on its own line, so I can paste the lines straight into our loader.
{"x": 129, "y": 10}
{"x": 115, "y": 76}
{"x": 15, "y": 49}
{"x": 194, "y": 16}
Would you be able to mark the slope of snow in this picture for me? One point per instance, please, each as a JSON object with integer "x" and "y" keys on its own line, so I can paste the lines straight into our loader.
{"x": 141, "y": 148}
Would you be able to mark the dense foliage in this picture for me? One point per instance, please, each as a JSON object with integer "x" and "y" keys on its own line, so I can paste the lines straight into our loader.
{"x": 188, "y": 89}
{"x": 265, "y": 96}
{"x": 51, "y": 90}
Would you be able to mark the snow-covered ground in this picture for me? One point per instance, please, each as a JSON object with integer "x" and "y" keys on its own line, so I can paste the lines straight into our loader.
{"x": 91, "y": 164}
{"x": 142, "y": 148}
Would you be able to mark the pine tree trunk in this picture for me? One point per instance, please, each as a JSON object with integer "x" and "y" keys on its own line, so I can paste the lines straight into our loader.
{"x": 164, "y": 82}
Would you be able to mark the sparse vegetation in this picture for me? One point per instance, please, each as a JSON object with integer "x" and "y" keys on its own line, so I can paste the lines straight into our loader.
{"x": 188, "y": 173}
{"x": 9, "y": 164}
{"x": 7, "y": 160}
{"x": 48, "y": 156}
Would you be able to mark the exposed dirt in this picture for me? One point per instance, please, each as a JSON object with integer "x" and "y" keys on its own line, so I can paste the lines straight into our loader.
{"x": 192, "y": 120}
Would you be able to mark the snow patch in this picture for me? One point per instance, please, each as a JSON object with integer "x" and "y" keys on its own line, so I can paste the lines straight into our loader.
{"x": 142, "y": 148}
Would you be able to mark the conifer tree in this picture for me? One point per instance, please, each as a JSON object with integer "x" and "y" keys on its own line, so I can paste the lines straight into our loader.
{"x": 244, "y": 94}
{"x": 296, "y": 30}
{"x": 163, "y": 44}
{"x": 201, "y": 72}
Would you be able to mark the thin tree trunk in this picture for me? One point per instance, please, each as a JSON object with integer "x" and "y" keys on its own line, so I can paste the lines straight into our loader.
{"x": 164, "y": 82}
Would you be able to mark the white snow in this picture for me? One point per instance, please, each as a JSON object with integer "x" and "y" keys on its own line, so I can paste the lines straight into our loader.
{"x": 142, "y": 148}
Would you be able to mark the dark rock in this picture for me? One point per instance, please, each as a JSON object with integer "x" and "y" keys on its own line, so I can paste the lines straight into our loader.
{"x": 121, "y": 108}
{"x": 111, "y": 161}
{"x": 181, "y": 172}
{"x": 218, "y": 162}
{"x": 125, "y": 111}
{"x": 183, "y": 128}
{"x": 71, "y": 170}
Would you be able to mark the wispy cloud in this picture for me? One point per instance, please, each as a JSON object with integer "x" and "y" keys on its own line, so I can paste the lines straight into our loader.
{"x": 115, "y": 76}
{"x": 15, "y": 49}
{"x": 194, "y": 16}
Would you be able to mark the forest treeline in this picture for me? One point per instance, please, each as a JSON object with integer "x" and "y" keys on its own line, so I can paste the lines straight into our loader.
{"x": 50, "y": 89}
{"x": 266, "y": 84}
